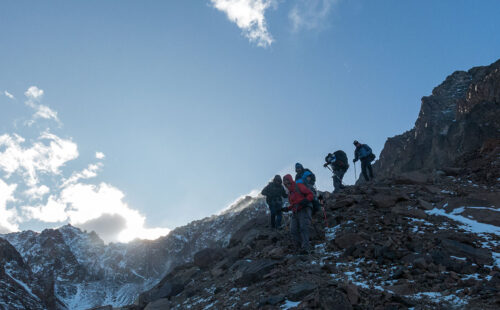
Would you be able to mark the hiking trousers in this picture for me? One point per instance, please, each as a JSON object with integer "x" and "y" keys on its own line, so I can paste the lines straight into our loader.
{"x": 338, "y": 175}
{"x": 276, "y": 215}
{"x": 366, "y": 169}
{"x": 300, "y": 225}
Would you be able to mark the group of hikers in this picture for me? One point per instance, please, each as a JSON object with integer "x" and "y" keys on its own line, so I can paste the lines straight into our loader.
{"x": 303, "y": 199}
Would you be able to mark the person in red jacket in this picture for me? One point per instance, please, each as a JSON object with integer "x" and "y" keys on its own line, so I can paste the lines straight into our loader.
{"x": 300, "y": 199}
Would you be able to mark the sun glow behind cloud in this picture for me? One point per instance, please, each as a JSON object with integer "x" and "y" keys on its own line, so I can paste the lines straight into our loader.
{"x": 34, "y": 185}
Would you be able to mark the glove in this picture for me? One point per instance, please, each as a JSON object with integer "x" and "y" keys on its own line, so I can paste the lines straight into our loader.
{"x": 354, "y": 160}
{"x": 325, "y": 165}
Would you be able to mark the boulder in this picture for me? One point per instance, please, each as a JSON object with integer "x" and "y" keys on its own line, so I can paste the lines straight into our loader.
{"x": 352, "y": 294}
{"x": 300, "y": 290}
{"x": 160, "y": 304}
{"x": 348, "y": 239}
{"x": 384, "y": 200}
{"x": 209, "y": 256}
{"x": 249, "y": 272}
{"x": 478, "y": 255}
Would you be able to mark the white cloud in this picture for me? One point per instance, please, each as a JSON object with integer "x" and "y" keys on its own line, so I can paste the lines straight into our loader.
{"x": 9, "y": 95}
{"x": 310, "y": 14}
{"x": 34, "y": 93}
{"x": 99, "y": 155}
{"x": 52, "y": 212}
{"x": 37, "y": 192}
{"x": 8, "y": 217}
{"x": 249, "y": 17}
{"x": 89, "y": 172}
{"x": 87, "y": 202}
{"x": 40, "y": 157}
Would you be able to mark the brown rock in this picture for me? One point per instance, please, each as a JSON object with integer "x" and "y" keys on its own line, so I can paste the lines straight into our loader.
{"x": 348, "y": 239}
{"x": 352, "y": 293}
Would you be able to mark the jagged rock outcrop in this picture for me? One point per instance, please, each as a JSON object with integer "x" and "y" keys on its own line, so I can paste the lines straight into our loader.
{"x": 460, "y": 116}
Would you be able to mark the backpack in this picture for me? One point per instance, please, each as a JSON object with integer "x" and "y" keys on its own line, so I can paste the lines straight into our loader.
{"x": 371, "y": 157}
{"x": 341, "y": 158}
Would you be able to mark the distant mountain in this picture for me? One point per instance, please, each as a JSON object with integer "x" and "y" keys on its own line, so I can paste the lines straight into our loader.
{"x": 66, "y": 268}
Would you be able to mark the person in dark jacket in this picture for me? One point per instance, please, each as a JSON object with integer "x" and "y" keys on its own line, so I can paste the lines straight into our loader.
{"x": 364, "y": 153}
{"x": 300, "y": 199}
{"x": 299, "y": 169}
{"x": 275, "y": 192}
{"x": 339, "y": 165}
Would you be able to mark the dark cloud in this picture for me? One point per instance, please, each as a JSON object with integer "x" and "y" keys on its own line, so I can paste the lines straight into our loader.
{"x": 107, "y": 226}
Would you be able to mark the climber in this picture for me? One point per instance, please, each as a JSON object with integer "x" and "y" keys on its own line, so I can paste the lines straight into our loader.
{"x": 364, "y": 153}
{"x": 300, "y": 199}
{"x": 275, "y": 193}
{"x": 307, "y": 180}
{"x": 299, "y": 169}
{"x": 338, "y": 163}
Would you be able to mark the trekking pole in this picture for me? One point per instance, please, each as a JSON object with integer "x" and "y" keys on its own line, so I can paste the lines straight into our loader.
{"x": 355, "y": 174}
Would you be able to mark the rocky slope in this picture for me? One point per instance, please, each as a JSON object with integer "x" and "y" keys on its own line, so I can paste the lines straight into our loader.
{"x": 66, "y": 268}
{"x": 458, "y": 118}
{"x": 395, "y": 244}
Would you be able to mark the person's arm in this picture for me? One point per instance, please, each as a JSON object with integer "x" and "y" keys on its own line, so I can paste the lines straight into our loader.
{"x": 265, "y": 191}
{"x": 356, "y": 155}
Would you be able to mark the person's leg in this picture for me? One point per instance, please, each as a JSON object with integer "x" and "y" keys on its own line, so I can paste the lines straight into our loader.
{"x": 304, "y": 216}
{"x": 278, "y": 218}
{"x": 363, "y": 169}
{"x": 294, "y": 229}
{"x": 370, "y": 170}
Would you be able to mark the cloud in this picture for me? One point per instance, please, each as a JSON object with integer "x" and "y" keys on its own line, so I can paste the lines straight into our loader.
{"x": 310, "y": 14}
{"x": 9, "y": 95}
{"x": 42, "y": 157}
{"x": 108, "y": 226}
{"x": 36, "y": 165}
{"x": 88, "y": 202}
{"x": 248, "y": 15}
{"x": 37, "y": 192}
{"x": 34, "y": 93}
{"x": 89, "y": 172}
{"x": 8, "y": 217}
{"x": 52, "y": 212}
{"x": 99, "y": 155}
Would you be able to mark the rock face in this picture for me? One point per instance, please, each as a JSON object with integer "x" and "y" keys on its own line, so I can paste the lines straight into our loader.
{"x": 461, "y": 116}
{"x": 76, "y": 270}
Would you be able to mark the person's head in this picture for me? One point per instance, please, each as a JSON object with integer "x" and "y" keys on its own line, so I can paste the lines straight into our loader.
{"x": 277, "y": 179}
{"x": 299, "y": 168}
{"x": 288, "y": 181}
{"x": 356, "y": 143}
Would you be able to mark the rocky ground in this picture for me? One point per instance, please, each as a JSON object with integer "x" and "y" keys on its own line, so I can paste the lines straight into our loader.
{"x": 411, "y": 242}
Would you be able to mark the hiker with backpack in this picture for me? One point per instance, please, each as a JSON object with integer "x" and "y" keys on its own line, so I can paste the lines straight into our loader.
{"x": 275, "y": 193}
{"x": 308, "y": 179}
{"x": 300, "y": 199}
{"x": 300, "y": 170}
{"x": 339, "y": 165}
{"x": 364, "y": 153}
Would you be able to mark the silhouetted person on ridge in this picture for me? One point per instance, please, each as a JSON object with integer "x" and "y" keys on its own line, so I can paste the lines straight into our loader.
{"x": 300, "y": 199}
{"x": 364, "y": 153}
{"x": 339, "y": 165}
{"x": 275, "y": 192}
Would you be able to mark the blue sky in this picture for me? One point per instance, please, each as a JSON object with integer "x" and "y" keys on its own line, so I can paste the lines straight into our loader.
{"x": 194, "y": 103}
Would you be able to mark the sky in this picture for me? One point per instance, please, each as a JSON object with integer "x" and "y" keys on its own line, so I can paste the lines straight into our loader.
{"x": 132, "y": 118}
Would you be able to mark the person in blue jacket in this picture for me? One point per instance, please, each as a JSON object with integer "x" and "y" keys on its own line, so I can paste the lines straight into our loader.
{"x": 364, "y": 153}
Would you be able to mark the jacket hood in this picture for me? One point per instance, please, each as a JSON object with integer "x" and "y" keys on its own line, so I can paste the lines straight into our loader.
{"x": 289, "y": 178}
{"x": 277, "y": 179}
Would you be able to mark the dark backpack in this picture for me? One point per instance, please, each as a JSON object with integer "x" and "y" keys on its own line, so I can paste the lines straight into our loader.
{"x": 341, "y": 157}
